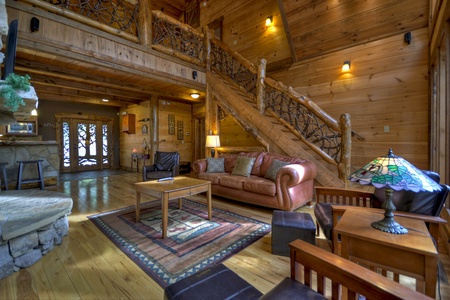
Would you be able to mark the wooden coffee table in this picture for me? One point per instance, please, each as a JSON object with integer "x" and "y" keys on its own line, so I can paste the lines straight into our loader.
{"x": 166, "y": 190}
{"x": 413, "y": 254}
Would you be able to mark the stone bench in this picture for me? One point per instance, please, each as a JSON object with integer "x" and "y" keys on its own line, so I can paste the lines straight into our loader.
{"x": 32, "y": 222}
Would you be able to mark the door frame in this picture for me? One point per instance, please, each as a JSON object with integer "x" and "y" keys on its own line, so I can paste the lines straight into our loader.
{"x": 87, "y": 117}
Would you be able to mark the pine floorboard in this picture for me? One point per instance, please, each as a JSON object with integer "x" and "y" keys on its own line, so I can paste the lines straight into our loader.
{"x": 87, "y": 265}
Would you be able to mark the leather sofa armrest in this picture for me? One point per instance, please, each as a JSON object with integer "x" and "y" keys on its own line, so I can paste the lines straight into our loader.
{"x": 199, "y": 166}
{"x": 294, "y": 174}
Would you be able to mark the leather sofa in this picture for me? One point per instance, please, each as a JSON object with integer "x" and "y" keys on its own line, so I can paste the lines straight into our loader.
{"x": 292, "y": 187}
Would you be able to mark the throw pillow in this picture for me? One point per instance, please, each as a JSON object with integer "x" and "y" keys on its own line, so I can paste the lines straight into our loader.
{"x": 243, "y": 166}
{"x": 274, "y": 167}
{"x": 215, "y": 165}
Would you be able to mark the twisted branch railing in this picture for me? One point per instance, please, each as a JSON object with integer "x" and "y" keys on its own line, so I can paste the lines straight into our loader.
{"x": 118, "y": 14}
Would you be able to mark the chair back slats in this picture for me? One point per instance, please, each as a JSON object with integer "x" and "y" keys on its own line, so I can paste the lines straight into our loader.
{"x": 343, "y": 196}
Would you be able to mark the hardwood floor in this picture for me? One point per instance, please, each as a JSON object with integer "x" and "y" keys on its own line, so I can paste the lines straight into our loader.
{"x": 87, "y": 265}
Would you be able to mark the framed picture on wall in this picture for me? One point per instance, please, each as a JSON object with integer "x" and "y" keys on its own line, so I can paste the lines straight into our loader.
{"x": 144, "y": 129}
{"x": 171, "y": 124}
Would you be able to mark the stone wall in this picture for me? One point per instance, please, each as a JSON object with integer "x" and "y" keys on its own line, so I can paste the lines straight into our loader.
{"x": 25, "y": 250}
{"x": 48, "y": 151}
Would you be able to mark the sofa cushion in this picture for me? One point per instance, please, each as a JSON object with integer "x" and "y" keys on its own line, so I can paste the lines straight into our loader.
{"x": 270, "y": 157}
{"x": 230, "y": 161}
{"x": 235, "y": 182}
{"x": 259, "y": 185}
{"x": 273, "y": 169}
{"x": 258, "y": 156}
{"x": 213, "y": 177}
{"x": 243, "y": 166}
{"x": 215, "y": 165}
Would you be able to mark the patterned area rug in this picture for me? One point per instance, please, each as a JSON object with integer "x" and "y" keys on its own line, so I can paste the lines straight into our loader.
{"x": 193, "y": 242}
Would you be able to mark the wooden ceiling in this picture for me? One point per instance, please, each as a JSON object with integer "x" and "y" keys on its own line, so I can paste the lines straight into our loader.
{"x": 58, "y": 75}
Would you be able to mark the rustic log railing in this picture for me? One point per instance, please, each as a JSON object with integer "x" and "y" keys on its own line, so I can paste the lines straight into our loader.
{"x": 327, "y": 137}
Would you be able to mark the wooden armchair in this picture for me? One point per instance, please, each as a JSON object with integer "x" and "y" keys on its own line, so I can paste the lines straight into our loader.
{"x": 348, "y": 279}
{"x": 331, "y": 203}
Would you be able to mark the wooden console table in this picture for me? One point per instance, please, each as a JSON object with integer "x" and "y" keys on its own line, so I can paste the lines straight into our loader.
{"x": 413, "y": 254}
{"x": 137, "y": 156}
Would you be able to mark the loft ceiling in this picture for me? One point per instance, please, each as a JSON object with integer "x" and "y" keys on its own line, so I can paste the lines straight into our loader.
{"x": 59, "y": 75}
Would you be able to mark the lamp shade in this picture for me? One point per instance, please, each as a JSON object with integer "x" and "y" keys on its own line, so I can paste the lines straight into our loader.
{"x": 391, "y": 171}
{"x": 212, "y": 141}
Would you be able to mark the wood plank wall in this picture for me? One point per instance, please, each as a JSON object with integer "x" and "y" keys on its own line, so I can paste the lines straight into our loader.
{"x": 387, "y": 84}
{"x": 165, "y": 141}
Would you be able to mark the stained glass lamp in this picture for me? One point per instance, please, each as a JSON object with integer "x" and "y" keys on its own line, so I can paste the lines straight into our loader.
{"x": 392, "y": 172}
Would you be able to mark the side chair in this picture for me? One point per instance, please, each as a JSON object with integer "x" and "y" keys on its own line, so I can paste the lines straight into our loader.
{"x": 166, "y": 164}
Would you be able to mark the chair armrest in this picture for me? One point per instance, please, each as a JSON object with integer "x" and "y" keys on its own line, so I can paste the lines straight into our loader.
{"x": 199, "y": 166}
{"x": 175, "y": 170}
{"x": 146, "y": 169}
{"x": 342, "y": 272}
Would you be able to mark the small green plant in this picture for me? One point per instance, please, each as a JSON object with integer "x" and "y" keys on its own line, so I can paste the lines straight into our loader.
{"x": 9, "y": 88}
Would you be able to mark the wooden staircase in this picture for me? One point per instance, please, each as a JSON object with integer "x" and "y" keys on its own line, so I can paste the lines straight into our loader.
{"x": 266, "y": 128}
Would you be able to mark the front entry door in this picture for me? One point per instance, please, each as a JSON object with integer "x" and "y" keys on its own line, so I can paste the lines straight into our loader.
{"x": 86, "y": 145}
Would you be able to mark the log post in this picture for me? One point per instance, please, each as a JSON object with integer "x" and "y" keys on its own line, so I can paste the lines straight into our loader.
{"x": 145, "y": 23}
{"x": 154, "y": 136}
{"x": 346, "y": 148}
{"x": 208, "y": 48}
{"x": 260, "y": 90}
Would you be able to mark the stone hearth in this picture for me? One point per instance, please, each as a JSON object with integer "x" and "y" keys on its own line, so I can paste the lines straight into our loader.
{"x": 32, "y": 222}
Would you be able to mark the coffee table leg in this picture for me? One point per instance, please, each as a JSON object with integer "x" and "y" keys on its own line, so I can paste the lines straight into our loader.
{"x": 180, "y": 203}
{"x": 209, "y": 202}
{"x": 165, "y": 212}
{"x": 138, "y": 206}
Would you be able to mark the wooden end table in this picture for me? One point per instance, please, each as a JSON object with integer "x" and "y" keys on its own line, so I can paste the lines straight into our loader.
{"x": 165, "y": 190}
{"x": 413, "y": 254}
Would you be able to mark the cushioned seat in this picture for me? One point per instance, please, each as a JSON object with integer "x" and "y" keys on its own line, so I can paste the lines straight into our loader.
{"x": 216, "y": 282}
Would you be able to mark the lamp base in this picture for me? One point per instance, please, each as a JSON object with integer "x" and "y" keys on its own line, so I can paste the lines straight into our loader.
{"x": 213, "y": 152}
{"x": 390, "y": 226}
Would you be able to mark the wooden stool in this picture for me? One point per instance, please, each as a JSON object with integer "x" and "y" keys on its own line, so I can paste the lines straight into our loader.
{"x": 39, "y": 166}
{"x": 5, "y": 178}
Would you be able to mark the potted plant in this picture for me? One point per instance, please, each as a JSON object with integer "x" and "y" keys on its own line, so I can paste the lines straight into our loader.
{"x": 15, "y": 91}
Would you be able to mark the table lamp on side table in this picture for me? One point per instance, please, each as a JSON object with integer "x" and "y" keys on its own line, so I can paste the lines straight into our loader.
{"x": 212, "y": 141}
{"x": 392, "y": 172}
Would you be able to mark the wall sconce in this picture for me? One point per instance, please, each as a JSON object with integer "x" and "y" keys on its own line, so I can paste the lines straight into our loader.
{"x": 269, "y": 20}
{"x": 195, "y": 95}
{"x": 346, "y": 66}
{"x": 34, "y": 112}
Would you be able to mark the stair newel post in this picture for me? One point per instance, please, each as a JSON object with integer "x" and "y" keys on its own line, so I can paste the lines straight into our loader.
{"x": 346, "y": 148}
{"x": 145, "y": 18}
{"x": 208, "y": 35}
{"x": 260, "y": 87}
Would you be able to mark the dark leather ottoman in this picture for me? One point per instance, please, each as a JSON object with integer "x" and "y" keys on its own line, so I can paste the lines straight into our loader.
{"x": 217, "y": 282}
{"x": 288, "y": 226}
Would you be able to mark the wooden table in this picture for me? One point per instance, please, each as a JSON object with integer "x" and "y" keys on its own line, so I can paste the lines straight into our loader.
{"x": 165, "y": 190}
{"x": 412, "y": 254}
{"x": 137, "y": 157}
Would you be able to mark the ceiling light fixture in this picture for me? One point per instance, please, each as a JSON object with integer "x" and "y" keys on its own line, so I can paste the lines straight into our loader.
{"x": 34, "y": 112}
{"x": 105, "y": 100}
{"x": 269, "y": 20}
{"x": 195, "y": 95}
